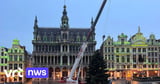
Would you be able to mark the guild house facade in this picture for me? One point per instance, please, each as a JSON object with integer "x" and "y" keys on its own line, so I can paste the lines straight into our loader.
{"x": 134, "y": 57}
{"x": 11, "y": 59}
{"x": 3, "y": 63}
{"x": 57, "y": 48}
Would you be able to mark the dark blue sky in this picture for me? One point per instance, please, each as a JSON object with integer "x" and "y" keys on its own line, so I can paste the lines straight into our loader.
{"x": 17, "y": 17}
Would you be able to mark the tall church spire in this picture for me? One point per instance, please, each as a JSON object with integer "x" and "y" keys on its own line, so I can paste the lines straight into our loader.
{"x": 64, "y": 19}
{"x": 35, "y": 23}
{"x": 35, "y": 28}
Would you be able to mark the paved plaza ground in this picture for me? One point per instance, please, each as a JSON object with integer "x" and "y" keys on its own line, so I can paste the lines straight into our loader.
{"x": 55, "y": 82}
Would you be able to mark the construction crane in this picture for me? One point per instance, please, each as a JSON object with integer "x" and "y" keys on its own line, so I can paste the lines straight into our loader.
{"x": 84, "y": 46}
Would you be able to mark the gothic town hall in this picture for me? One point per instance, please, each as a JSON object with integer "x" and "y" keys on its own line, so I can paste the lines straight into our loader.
{"x": 57, "y": 47}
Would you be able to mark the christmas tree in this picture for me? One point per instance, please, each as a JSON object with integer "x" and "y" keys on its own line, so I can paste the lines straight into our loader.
{"x": 96, "y": 73}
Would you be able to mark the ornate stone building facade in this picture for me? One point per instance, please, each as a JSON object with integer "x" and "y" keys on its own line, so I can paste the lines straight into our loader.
{"x": 134, "y": 57}
{"x": 3, "y": 63}
{"x": 57, "y": 48}
{"x": 17, "y": 59}
{"x": 13, "y": 58}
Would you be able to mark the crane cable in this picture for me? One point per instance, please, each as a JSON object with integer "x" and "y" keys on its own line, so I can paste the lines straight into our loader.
{"x": 81, "y": 61}
{"x": 105, "y": 23}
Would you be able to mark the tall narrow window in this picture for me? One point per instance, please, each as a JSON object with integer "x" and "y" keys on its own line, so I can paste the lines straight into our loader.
{"x": 134, "y": 58}
{"x": 122, "y": 40}
{"x": 117, "y": 49}
{"x": 15, "y": 66}
{"x": 127, "y": 49}
{"x": 117, "y": 58}
{"x": 20, "y": 58}
{"x": 134, "y": 49}
{"x": 10, "y": 58}
{"x": 10, "y": 66}
{"x": 144, "y": 49}
{"x": 139, "y": 49}
{"x": 15, "y": 57}
{"x": 2, "y": 61}
{"x": 123, "y": 59}
{"x": 122, "y": 50}
{"x": 128, "y": 58}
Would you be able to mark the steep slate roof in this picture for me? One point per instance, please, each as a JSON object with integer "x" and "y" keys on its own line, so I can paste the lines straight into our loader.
{"x": 56, "y": 33}
{"x": 75, "y": 31}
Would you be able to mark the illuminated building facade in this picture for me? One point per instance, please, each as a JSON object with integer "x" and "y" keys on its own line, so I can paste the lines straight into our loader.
{"x": 57, "y": 48}
{"x": 3, "y": 63}
{"x": 17, "y": 59}
{"x": 136, "y": 57}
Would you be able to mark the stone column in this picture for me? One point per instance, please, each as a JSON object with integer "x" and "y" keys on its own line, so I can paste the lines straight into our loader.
{"x": 120, "y": 59}
{"x": 60, "y": 72}
{"x": 115, "y": 74}
{"x": 54, "y": 60}
{"x": 47, "y": 60}
{"x": 40, "y": 59}
{"x": 61, "y": 59}
{"x": 147, "y": 73}
{"x": 82, "y": 73}
{"x": 69, "y": 71}
{"x": 33, "y": 60}
{"x": 121, "y": 74}
{"x": 53, "y": 73}
{"x": 43, "y": 60}
{"x": 68, "y": 60}
{"x": 50, "y": 59}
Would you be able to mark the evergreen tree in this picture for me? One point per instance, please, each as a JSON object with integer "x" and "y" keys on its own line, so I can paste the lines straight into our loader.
{"x": 96, "y": 72}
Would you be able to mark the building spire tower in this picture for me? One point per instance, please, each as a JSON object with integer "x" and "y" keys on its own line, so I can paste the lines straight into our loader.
{"x": 35, "y": 22}
{"x": 35, "y": 28}
{"x": 139, "y": 29}
{"x": 64, "y": 19}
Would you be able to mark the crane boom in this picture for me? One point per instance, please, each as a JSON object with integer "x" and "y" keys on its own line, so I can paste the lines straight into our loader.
{"x": 96, "y": 20}
{"x": 84, "y": 45}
